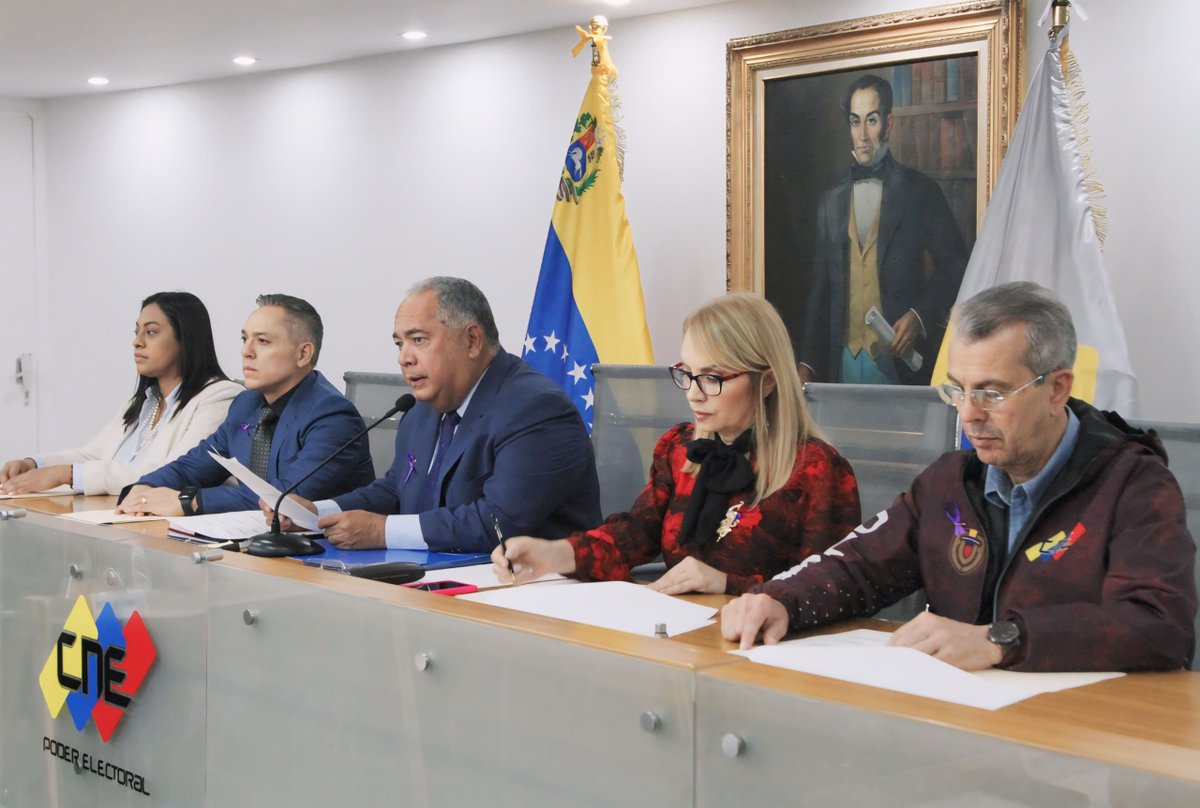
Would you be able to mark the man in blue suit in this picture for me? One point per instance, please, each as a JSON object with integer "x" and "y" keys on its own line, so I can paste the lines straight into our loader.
{"x": 490, "y": 438}
{"x": 288, "y": 420}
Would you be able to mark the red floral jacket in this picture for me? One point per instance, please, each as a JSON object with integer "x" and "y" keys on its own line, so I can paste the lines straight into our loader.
{"x": 817, "y": 507}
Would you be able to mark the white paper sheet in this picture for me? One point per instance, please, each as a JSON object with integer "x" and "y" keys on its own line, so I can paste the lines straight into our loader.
{"x": 56, "y": 491}
{"x": 617, "y": 605}
{"x": 481, "y": 575}
{"x": 863, "y": 656}
{"x": 290, "y": 508}
{"x": 225, "y": 526}
{"x": 107, "y": 517}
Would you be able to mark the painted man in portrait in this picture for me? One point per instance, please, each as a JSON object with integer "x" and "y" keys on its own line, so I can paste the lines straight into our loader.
{"x": 875, "y": 229}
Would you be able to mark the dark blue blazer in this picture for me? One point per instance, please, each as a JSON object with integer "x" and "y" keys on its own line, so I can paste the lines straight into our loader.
{"x": 316, "y": 421}
{"x": 521, "y": 454}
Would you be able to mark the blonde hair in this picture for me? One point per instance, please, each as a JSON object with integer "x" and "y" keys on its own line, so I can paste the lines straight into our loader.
{"x": 742, "y": 332}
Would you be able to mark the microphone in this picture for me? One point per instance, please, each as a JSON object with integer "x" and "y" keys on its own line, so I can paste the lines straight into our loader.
{"x": 275, "y": 543}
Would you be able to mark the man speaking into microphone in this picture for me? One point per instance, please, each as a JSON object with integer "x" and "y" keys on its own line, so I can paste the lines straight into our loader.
{"x": 489, "y": 439}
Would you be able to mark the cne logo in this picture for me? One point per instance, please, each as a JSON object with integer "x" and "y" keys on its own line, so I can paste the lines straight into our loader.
{"x": 96, "y": 667}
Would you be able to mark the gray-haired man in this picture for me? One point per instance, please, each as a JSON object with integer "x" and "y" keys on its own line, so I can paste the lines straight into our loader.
{"x": 490, "y": 441}
{"x": 1058, "y": 543}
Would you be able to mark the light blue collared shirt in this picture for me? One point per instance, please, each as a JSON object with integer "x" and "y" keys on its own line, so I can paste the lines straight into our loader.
{"x": 1022, "y": 500}
{"x": 402, "y": 531}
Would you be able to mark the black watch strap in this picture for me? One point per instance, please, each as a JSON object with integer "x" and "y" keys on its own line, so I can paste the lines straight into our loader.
{"x": 188, "y": 496}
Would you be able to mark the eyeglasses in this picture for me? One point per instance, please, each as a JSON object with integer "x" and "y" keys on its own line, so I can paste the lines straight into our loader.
{"x": 710, "y": 383}
{"x": 987, "y": 400}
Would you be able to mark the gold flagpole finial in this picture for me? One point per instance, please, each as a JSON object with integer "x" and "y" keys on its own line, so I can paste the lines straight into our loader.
{"x": 598, "y": 26}
{"x": 1060, "y": 16}
{"x": 597, "y": 34}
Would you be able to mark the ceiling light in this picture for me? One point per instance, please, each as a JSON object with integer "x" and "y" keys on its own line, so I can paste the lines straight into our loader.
{"x": 244, "y": 61}
{"x": 414, "y": 35}
{"x": 97, "y": 81}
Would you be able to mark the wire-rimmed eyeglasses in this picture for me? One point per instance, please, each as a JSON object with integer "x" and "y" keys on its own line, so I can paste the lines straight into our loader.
{"x": 987, "y": 400}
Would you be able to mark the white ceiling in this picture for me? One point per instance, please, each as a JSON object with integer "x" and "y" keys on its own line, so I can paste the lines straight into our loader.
{"x": 50, "y": 48}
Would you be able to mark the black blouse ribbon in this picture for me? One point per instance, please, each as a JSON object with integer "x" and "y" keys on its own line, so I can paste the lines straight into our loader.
{"x": 724, "y": 470}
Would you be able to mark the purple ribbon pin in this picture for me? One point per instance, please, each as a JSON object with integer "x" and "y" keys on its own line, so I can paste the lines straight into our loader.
{"x": 412, "y": 464}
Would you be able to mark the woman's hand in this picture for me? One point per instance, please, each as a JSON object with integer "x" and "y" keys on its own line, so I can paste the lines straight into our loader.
{"x": 530, "y": 558}
{"x": 35, "y": 479}
{"x": 690, "y": 575}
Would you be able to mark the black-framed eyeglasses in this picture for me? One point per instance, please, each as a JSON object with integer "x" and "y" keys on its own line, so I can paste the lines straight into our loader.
{"x": 987, "y": 400}
{"x": 710, "y": 383}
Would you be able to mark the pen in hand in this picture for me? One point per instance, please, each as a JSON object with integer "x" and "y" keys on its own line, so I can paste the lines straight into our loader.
{"x": 504, "y": 547}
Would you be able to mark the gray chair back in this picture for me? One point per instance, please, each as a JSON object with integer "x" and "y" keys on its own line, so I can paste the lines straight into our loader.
{"x": 634, "y": 405}
{"x": 889, "y": 433}
{"x": 1182, "y": 442}
{"x": 374, "y": 394}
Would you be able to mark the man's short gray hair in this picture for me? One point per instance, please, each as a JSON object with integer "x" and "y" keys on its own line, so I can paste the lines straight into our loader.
{"x": 1049, "y": 334}
{"x": 460, "y": 304}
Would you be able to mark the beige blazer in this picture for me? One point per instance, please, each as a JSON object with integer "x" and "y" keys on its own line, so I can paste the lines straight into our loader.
{"x": 195, "y": 422}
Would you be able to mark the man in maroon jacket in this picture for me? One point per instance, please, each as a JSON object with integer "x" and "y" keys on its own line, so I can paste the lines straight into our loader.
{"x": 1059, "y": 543}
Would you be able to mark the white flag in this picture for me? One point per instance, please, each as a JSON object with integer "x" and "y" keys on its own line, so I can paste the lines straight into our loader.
{"x": 1041, "y": 226}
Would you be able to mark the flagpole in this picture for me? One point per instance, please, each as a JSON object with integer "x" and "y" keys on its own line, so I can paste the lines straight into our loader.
{"x": 1061, "y": 15}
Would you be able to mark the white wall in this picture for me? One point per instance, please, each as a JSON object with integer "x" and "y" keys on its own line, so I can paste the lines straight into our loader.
{"x": 344, "y": 183}
{"x": 21, "y": 215}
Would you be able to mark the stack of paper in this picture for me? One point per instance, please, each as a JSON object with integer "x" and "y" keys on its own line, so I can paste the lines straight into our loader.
{"x": 218, "y": 527}
{"x": 863, "y": 656}
{"x": 106, "y": 517}
{"x": 617, "y": 605}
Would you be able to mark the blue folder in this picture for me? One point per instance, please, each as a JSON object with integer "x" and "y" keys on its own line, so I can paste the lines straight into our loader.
{"x": 357, "y": 558}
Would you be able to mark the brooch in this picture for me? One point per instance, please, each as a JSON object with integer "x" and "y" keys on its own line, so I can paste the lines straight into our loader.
{"x": 732, "y": 517}
{"x": 412, "y": 464}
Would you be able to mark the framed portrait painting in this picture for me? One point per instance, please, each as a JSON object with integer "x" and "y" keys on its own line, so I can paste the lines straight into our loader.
{"x": 861, "y": 155}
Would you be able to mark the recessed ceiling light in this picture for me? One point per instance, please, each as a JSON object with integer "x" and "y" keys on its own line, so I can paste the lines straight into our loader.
{"x": 97, "y": 81}
{"x": 414, "y": 35}
{"x": 244, "y": 61}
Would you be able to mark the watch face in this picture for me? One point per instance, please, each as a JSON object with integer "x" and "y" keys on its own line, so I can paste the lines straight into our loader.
{"x": 1004, "y": 632}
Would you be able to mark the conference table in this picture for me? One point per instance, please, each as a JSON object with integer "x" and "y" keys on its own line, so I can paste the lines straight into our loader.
{"x": 274, "y": 683}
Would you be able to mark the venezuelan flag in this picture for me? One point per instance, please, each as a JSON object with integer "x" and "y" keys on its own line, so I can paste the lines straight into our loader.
{"x": 588, "y": 306}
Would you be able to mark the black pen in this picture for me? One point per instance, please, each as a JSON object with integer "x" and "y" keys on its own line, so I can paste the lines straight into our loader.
{"x": 503, "y": 547}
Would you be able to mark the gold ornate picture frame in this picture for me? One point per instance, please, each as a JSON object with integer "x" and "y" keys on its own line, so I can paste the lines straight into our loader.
{"x": 956, "y": 75}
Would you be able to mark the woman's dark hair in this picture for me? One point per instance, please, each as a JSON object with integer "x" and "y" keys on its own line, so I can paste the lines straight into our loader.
{"x": 198, "y": 365}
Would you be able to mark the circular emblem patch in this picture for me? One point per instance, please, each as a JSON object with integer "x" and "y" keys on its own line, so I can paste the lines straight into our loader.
{"x": 967, "y": 548}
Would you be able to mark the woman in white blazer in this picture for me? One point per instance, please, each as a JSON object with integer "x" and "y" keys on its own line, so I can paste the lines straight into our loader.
{"x": 182, "y": 396}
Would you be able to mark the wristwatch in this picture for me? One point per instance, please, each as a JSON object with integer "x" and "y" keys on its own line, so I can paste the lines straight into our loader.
{"x": 1006, "y": 634}
{"x": 187, "y": 499}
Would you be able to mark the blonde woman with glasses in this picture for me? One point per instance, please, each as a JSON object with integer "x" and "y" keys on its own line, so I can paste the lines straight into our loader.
{"x": 744, "y": 491}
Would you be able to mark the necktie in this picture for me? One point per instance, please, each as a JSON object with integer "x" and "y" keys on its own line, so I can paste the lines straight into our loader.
{"x": 260, "y": 444}
{"x": 430, "y": 494}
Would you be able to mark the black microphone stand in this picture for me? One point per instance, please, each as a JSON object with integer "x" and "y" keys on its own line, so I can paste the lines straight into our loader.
{"x": 275, "y": 543}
